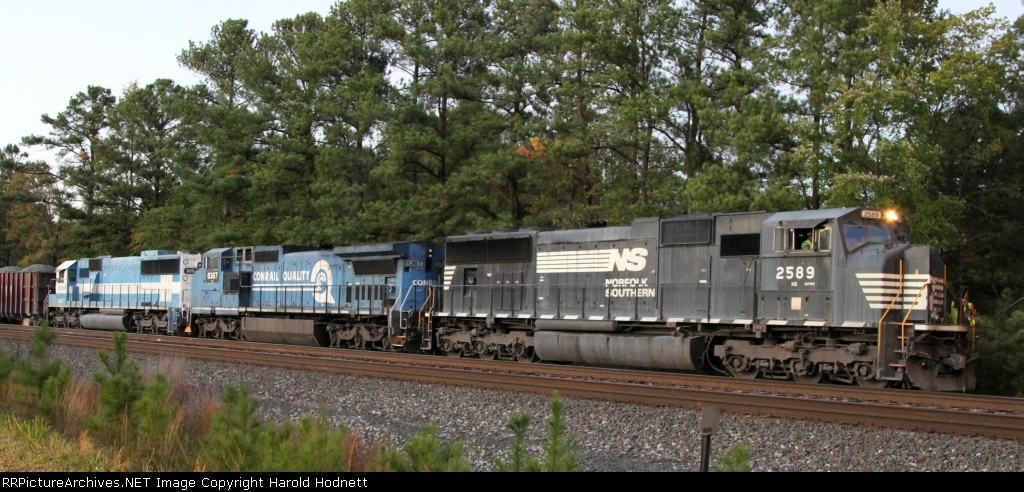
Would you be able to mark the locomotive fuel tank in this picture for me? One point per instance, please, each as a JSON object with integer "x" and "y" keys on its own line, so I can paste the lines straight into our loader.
{"x": 657, "y": 352}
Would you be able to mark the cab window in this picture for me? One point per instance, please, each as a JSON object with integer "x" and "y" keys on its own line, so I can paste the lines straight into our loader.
{"x": 857, "y": 235}
{"x": 803, "y": 239}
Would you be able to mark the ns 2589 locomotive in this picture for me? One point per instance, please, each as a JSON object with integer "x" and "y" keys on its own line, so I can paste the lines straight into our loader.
{"x": 835, "y": 295}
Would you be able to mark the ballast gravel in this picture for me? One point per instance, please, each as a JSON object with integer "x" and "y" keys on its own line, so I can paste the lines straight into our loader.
{"x": 607, "y": 436}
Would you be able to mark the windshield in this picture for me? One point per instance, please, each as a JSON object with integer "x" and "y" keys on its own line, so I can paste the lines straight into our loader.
{"x": 859, "y": 235}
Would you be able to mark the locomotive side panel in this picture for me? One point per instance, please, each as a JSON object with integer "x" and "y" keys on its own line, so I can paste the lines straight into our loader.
{"x": 490, "y": 275}
{"x": 735, "y": 275}
{"x": 685, "y": 269}
{"x": 796, "y": 271}
{"x": 603, "y": 274}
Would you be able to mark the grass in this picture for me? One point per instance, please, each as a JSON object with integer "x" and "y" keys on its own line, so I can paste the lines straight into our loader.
{"x": 34, "y": 446}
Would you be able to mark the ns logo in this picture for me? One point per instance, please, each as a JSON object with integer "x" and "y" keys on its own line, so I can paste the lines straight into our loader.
{"x": 628, "y": 259}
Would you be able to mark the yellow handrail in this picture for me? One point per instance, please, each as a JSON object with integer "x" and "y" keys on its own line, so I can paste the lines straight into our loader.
{"x": 899, "y": 294}
{"x": 911, "y": 310}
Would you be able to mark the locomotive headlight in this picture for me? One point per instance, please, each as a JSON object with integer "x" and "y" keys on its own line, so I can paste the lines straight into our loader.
{"x": 892, "y": 216}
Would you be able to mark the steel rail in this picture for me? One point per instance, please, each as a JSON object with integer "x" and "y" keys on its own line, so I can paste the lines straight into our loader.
{"x": 983, "y": 403}
{"x": 928, "y": 419}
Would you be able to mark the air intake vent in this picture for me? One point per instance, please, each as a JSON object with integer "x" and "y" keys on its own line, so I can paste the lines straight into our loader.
{"x": 507, "y": 250}
{"x": 170, "y": 266}
{"x": 741, "y": 245}
{"x": 265, "y": 257}
{"x": 687, "y": 231}
{"x": 374, "y": 267}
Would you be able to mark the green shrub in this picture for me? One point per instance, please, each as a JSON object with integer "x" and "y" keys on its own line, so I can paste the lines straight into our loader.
{"x": 119, "y": 386}
{"x": 232, "y": 442}
{"x": 1000, "y": 368}
{"x": 308, "y": 446}
{"x": 736, "y": 459}
{"x": 424, "y": 452}
{"x": 50, "y": 397}
{"x": 519, "y": 458}
{"x": 41, "y": 378}
{"x": 157, "y": 422}
{"x": 559, "y": 455}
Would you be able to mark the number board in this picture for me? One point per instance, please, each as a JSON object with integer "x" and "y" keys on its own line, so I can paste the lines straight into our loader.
{"x": 810, "y": 273}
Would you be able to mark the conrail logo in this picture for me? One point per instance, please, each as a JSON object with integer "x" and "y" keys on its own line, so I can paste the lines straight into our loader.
{"x": 323, "y": 278}
{"x": 592, "y": 261}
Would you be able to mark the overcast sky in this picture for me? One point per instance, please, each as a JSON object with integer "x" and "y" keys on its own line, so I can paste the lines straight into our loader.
{"x": 54, "y": 49}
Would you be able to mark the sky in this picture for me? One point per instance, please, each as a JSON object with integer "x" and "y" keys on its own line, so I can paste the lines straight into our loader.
{"x": 55, "y": 49}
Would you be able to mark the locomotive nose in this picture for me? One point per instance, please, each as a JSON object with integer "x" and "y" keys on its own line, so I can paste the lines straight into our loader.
{"x": 924, "y": 262}
{"x": 922, "y": 259}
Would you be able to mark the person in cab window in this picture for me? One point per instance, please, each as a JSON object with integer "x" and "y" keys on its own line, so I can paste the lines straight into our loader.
{"x": 807, "y": 244}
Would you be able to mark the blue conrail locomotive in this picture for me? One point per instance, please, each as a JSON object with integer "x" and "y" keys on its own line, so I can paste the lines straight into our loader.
{"x": 838, "y": 295}
{"x": 145, "y": 293}
{"x": 371, "y": 296}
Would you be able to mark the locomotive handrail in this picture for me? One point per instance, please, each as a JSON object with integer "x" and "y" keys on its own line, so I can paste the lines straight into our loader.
{"x": 391, "y": 309}
{"x": 899, "y": 294}
{"x": 911, "y": 310}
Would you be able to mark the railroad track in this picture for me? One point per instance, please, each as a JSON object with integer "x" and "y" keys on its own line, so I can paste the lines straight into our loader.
{"x": 911, "y": 410}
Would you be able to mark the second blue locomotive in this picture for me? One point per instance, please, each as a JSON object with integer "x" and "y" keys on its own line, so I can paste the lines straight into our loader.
{"x": 369, "y": 296}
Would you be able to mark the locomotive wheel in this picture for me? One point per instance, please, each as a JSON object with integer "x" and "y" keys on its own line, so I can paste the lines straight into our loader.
{"x": 745, "y": 373}
{"x": 865, "y": 379}
{"x": 869, "y": 382}
{"x": 806, "y": 372}
{"x": 488, "y": 355}
{"x": 528, "y": 355}
{"x": 455, "y": 354}
{"x": 739, "y": 369}
{"x": 809, "y": 378}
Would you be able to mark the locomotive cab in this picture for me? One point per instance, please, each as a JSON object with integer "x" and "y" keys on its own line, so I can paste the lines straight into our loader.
{"x": 847, "y": 297}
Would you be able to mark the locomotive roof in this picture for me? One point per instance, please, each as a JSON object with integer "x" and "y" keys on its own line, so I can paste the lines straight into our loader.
{"x": 823, "y": 214}
{"x": 799, "y": 218}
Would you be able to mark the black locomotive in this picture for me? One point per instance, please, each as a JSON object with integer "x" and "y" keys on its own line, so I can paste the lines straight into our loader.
{"x": 839, "y": 295}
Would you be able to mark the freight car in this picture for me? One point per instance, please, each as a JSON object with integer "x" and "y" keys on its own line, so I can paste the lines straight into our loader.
{"x": 145, "y": 294}
{"x": 370, "y": 296}
{"x": 23, "y": 293}
{"x": 839, "y": 295}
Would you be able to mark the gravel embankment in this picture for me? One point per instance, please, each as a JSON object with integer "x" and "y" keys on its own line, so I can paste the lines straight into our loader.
{"x": 608, "y": 436}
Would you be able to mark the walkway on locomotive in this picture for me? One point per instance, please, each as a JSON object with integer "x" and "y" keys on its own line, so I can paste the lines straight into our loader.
{"x": 347, "y": 280}
{"x": 808, "y": 268}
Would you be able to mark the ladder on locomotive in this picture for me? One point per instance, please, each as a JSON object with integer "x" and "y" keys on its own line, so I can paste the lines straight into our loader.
{"x": 403, "y": 318}
{"x": 893, "y": 339}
